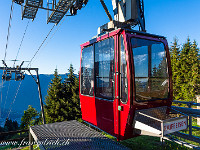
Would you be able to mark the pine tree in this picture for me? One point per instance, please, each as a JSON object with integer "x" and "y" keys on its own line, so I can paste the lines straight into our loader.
{"x": 10, "y": 125}
{"x": 71, "y": 88}
{"x": 62, "y": 100}
{"x": 195, "y": 70}
{"x": 189, "y": 67}
{"x": 31, "y": 117}
{"x": 55, "y": 103}
{"x": 176, "y": 72}
{"x": 154, "y": 71}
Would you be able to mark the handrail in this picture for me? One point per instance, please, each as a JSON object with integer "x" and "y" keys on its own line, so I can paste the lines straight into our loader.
{"x": 195, "y": 112}
{"x": 187, "y": 103}
{"x": 191, "y": 113}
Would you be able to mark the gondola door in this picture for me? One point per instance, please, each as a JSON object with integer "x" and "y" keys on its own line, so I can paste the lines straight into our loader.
{"x": 123, "y": 88}
{"x": 104, "y": 84}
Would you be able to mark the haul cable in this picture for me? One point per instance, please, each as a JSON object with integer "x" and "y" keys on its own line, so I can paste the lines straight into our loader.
{"x": 8, "y": 35}
{"x": 41, "y": 45}
{"x": 9, "y": 26}
{"x": 21, "y": 42}
{"x": 14, "y": 99}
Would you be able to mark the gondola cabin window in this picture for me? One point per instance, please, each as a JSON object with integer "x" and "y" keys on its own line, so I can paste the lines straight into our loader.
{"x": 104, "y": 69}
{"x": 151, "y": 73}
{"x": 87, "y": 71}
{"x": 123, "y": 71}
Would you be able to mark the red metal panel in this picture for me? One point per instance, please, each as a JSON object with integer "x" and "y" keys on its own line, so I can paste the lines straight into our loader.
{"x": 100, "y": 38}
{"x": 105, "y": 115}
{"x": 116, "y": 101}
{"x": 125, "y": 118}
{"x": 88, "y": 109}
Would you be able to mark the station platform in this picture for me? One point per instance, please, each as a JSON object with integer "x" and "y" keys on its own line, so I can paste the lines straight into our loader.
{"x": 70, "y": 135}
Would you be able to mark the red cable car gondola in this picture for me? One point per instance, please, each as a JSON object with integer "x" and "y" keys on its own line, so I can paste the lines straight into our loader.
{"x": 121, "y": 72}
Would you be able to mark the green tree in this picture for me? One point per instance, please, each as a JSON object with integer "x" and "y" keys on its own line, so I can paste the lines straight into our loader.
{"x": 31, "y": 117}
{"x": 185, "y": 70}
{"x": 55, "y": 102}
{"x": 190, "y": 70}
{"x": 62, "y": 101}
{"x": 71, "y": 90}
{"x": 176, "y": 72}
{"x": 11, "y": 125}
{"x": 195, "y": 54}
{"x": 1, "y": 130}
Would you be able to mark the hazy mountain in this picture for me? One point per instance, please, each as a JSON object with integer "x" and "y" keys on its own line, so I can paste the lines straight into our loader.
{"x": 27, "y": 95}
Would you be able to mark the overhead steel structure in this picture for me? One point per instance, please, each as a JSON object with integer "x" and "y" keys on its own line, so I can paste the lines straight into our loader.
{"x": 126, "y": 12}
{"x": 30, "y": 8}
{"x": 61, "y": 9}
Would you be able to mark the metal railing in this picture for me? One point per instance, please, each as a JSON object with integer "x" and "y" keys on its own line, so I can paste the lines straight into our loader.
{"x": 190, "y": 112}
{"x": 4, "y": 134}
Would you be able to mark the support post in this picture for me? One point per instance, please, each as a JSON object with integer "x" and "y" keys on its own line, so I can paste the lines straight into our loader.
{"x": 40, "y": 96}
{"x": 162, "y": 140}
{"x": 106, "y": 10}
{"x": 198, "y": 107}
{"x": 190, "y": 121}
{"x": 30, "y": 141}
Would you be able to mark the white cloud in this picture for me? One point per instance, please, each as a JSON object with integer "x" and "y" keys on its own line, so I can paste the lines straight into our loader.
{"x": 139, "y": 59}
{"x": 161, "y": 54}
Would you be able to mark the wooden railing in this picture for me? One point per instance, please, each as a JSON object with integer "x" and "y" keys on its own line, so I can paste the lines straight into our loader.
{"x": 3, "y": 134}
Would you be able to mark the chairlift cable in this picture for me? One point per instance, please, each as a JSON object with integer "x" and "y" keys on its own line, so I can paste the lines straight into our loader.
{"x": 41, "y": 45}
{"x": 9, "y": 26}
{"x": 8, "y": 35}
{"x": 6, "y": 97}
{"x": 14, "y": 65}
{"x": 1, "y": 97}
{"x": 54, "y": 32}
{"x": 14, "y": 99}
{"x": 21, "y": 42}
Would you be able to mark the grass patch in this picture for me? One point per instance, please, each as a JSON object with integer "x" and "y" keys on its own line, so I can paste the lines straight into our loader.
{"x": 34, "y": 147}
{"x": 195, "y": 132}
{"x": 148, "y": 143}
{"x": 151, "y": 143}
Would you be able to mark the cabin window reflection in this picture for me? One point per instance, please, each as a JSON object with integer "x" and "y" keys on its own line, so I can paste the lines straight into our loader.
{"x": 104, "y": 69}
{"x": 87, "y": 71}
{"x": 151, "y": 71}
{"x": 123, "y": 70}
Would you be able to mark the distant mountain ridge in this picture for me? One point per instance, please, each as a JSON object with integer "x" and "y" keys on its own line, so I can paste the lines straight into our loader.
{"x": 27, "y": 95}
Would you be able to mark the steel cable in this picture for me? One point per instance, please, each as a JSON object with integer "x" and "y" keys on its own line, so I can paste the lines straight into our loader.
{"x": 6, "y": 97}
{"x": 9, "y": 26}
{"x": 14, "y": 99}
{"x": 1, "y": 97}
{"x": 54, "y": 32}
{"x": 7, "y": 40}
{"x": 50, "y": 37}
{"x": 21, "y": 42}
{"x": 41, "y": 45}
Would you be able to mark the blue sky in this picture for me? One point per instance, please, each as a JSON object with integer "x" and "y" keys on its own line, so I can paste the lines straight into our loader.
{"x": 169, "y": 18}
